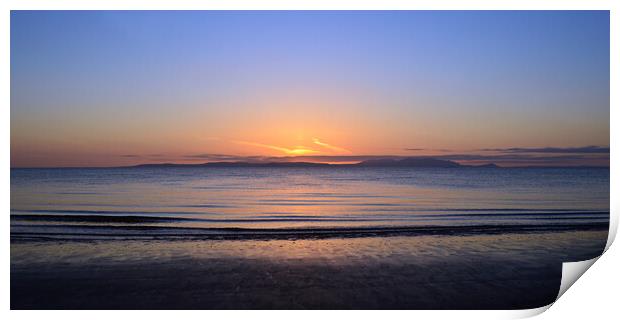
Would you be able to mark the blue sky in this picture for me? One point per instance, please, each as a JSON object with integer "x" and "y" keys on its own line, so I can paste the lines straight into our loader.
{"x": 91, "y": 83}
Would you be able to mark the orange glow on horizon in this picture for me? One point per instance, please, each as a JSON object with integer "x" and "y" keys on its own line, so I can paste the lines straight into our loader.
{"x": 299, "y": 150}
{"x": 295, "y": 151}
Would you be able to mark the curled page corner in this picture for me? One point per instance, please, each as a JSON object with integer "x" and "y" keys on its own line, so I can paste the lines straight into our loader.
{"x": 613, "y": 230}
{"x": 528, "y": 313}
{"x": 571, "y": 271}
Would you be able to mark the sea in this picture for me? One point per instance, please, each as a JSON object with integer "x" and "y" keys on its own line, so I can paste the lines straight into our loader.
{"x": 304, "y": 202}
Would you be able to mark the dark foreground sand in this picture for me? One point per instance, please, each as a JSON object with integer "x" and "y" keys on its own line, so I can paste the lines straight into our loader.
{"x": 509, "y": 271}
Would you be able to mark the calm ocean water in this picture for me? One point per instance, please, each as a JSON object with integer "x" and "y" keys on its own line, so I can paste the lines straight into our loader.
{"x": 236, "y": 202}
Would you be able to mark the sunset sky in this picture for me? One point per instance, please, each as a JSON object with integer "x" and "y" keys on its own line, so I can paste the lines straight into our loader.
{"x": 123, "y": 88}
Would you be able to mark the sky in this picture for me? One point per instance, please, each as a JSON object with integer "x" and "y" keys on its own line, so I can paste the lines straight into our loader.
{"x": 113, "y": 88}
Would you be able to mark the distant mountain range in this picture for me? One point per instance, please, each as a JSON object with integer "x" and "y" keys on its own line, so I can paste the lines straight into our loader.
{"x": 410, "y": 162}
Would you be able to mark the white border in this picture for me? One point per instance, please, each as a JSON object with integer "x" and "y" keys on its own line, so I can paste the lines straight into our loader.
{"x": 600, "y": 294}
{"x": 309, "y": 5}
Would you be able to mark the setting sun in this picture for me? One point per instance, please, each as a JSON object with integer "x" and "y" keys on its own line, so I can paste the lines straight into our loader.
{"x": 300, "y": 151}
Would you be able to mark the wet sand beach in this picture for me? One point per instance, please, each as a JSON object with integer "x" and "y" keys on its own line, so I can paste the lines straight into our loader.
{"x": 493, "y": 271}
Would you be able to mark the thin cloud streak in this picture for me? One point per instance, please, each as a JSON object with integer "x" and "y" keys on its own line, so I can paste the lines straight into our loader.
{"x": 223, "y": 157}
{"x": 300, "y": 150}
{"x": 522, "y": 158}
{"x": 424, "y": 149}
{"x": 586, "y": 149}
{"x": 330, "y": 147}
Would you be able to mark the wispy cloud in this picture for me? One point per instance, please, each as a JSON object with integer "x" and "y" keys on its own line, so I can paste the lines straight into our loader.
{"x": 586, "y": 149}
{"x": 223, "y": 157}
{"x": 424, "y": 149}
{"x": 299, "y": 150}
{"x": 154, "y": 155}
{"x": 330, "y": 147}
{"x": 522, "y": 157}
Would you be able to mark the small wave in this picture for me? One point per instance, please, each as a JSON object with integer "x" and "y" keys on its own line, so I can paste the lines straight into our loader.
{"x": 326, "y": 202}
{"x": 181, "y": 233}
{"x": 510, "y": 210}
{"x": 108, "y": 212}
{"x": 203, "y": 206}
{"x": 338, "y": 195}
{"x": 95, "y": 218}
{"x": 104, "y": 216}
{"x": 77, "y": 193}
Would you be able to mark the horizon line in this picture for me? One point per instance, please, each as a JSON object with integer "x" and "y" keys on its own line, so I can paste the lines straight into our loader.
{"x": 355, "y": 164}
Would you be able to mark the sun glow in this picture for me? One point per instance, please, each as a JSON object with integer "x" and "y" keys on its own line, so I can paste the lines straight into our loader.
{"x": 295, "y": 151}
{"x": 299, "y": 150}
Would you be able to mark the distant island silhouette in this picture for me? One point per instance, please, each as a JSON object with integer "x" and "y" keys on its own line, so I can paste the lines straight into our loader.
{"x": 378, "y": 162}
{"x": 409, "y": 162}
